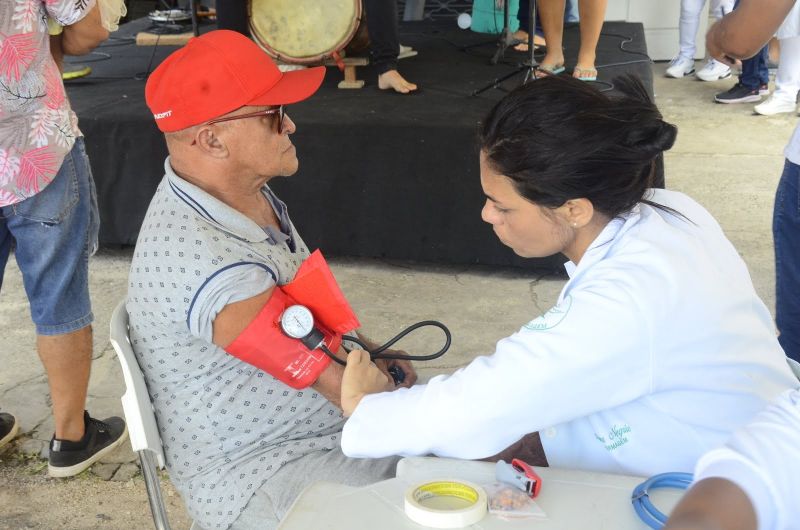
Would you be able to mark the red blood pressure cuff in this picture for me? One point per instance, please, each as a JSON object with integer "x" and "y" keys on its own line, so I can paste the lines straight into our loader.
{"x": 264, "y": 345}
{"x": 315, "y": 287}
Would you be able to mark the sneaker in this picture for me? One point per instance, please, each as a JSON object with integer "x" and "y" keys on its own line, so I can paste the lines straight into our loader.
{"x": 714, "y": 71}
{"x": 739, "y": 94}
{"x": 101, "y": 437}
{"x": 680, "y": 67}
{"x": 8, "y": 428}
{"x": 774, "y": 106}
{"x": 763, "y": 89}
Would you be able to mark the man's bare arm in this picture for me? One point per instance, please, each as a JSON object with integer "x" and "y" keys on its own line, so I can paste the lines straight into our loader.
{"x": 235, "y": 317}
{"x": 744, "y": 31}
{"x": 713, "y": 504}
{"x": 85, "y": 35}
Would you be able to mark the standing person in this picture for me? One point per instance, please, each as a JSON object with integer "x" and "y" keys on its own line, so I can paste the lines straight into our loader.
{"x": 217, "y": 247}
{"x": 683, "y": 63}
{"x": 385, "y": 44}
{"x": 49, "y": 215}
{"x": 733, "y": 37}
{"x": 787, "y": 79}
{"x": 551, "y": 15}
{"x": 754, "y": 80}
{"x": 658, "y": 347}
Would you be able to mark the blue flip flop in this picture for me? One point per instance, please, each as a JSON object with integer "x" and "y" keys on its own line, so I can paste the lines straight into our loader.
{"x": 547, "y": 69}
{"x": 580, "y": 71}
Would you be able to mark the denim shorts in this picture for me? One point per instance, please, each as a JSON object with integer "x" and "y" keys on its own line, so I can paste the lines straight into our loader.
{"x": 54, "y": 232}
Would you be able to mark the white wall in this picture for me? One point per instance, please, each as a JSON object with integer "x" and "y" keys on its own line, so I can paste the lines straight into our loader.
{"x": 660, "y": 19}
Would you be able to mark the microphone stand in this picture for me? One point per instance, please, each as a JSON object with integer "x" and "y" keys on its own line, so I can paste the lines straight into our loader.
{"x": 530, "y": 66}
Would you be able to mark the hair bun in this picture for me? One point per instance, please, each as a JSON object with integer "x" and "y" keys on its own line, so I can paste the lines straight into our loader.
{"x": 665, "y": 136}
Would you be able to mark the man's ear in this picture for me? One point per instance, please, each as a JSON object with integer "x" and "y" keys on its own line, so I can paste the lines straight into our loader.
{"x": 577, "y": 212}
{"x": 210, "y": 143}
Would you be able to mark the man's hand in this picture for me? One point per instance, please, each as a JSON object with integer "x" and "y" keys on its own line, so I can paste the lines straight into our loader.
{"x": 361, "y": 377}
{"x": 714, "y": 40}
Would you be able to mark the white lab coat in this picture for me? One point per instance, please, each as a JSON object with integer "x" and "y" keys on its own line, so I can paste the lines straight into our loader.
{"x": 657, "y": 349}
{"x": 763, "y": 459}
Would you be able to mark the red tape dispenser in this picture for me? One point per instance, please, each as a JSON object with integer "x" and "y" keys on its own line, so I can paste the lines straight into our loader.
{"x": 519, "y": 474}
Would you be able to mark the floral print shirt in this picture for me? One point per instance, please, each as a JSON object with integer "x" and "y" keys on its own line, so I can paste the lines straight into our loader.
{"x": 37, "y": 125}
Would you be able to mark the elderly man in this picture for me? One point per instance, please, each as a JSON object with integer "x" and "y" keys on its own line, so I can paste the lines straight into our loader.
{"x": 215, "y": 248}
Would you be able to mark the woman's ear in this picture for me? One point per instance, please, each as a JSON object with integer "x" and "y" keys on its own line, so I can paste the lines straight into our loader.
{"x": 577, "y": 212}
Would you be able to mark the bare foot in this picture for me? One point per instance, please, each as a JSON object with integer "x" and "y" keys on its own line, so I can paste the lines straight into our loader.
{"x": 392, "y": 79}
{"x": 523, "y": 36}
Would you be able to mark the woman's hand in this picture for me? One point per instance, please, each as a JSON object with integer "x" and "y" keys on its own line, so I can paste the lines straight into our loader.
{"x": 361, "y": 377}
{"x": 384, "y": 365}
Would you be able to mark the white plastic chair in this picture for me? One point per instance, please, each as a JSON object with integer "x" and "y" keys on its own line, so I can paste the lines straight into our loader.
{"x": 139, "y": 415}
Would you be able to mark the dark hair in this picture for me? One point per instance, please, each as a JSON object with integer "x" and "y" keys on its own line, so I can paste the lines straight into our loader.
{"x": 558, "y": 139}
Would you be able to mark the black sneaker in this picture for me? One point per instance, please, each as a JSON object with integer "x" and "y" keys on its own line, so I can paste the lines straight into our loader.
{"x": 739, "y": 94}
{"x": 763, "y": 89}
{"x": 8, "y": 428}
{"x": 101, "y": 437}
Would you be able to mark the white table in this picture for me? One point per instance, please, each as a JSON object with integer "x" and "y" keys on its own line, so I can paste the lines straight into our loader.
{"x": 571, "y": 500}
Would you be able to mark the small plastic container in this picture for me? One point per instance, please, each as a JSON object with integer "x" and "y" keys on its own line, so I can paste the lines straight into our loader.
{"x": 509, "y": 502}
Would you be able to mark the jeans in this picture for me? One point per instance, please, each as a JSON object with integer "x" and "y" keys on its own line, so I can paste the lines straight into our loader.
{"x": 54, "y": 233}
{"x": 755, "y": 71}
{"x": 786, "y": 232}
{"x": 383, "y": 33}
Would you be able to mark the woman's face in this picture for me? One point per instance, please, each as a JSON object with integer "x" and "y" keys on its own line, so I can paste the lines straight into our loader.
{"x": 520, "y": 224}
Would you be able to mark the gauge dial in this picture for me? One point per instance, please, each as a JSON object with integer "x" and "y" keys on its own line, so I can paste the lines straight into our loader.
{"x": 297, "y": 321}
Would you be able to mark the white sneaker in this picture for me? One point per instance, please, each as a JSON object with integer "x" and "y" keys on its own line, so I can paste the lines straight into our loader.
{"x": 773, "y": 106}
{"x": 680, "y": 67}
{"x": 714, "y": 71}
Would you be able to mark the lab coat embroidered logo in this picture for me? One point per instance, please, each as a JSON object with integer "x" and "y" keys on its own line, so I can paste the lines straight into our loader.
{"x": 552, "y": 318}
{"x": 618, "y": 435}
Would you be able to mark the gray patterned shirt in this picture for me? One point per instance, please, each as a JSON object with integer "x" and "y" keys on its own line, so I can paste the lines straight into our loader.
{"x": 226, "y": 426}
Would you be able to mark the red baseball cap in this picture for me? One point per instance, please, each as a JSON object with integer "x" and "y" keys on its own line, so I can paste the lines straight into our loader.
{"x": 217, "y": 73}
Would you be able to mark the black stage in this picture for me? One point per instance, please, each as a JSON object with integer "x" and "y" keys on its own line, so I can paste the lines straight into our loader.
{"x": 381, "y": 174}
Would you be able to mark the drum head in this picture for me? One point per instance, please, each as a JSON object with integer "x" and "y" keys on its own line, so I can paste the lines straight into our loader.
{"x": 303, "y": 31}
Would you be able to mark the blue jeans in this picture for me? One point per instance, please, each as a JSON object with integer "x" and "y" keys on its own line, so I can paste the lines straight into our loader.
{"x": 755, "y": 71}
{"x": 786, "y": 232}
{"x": 54, "y": 232}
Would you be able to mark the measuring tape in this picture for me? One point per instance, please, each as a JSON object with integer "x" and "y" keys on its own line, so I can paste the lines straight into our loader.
{"x": 445, "y": 503}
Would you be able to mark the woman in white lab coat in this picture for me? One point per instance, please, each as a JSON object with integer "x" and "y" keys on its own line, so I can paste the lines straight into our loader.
{"x": 658, "y": 347}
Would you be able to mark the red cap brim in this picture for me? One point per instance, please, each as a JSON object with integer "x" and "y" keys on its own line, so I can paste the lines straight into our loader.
{"x": 292, "y": 87}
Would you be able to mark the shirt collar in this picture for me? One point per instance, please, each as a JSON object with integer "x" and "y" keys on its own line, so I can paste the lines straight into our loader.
{"x": 603, "y": 243}
{"x": 220, "y": 214}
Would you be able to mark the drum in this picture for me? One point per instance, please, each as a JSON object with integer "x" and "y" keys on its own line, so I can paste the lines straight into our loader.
{"x": 305, "y": 31}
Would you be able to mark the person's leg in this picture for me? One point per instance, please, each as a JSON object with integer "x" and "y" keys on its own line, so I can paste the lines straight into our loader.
{"x": 9, "y": 427}
{"x": 786, "y": 233}
{"x": 753, "y": 82}
{"x": 787, "y": 80}
{"x": 753, "y": 70}
{"x": 273, "y": 499}
{"x": 689, "y": 22}
{"x": 551, "y": 15}
{"x": 385, "y": 44}
{"x": 592, "y": 13}
{"x": 54, "y": 232}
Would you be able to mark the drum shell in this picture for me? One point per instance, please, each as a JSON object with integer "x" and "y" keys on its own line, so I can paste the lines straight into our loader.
{"x": 353, "y": 39}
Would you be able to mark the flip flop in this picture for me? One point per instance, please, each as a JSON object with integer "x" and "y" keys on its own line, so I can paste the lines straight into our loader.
{"x": 580, "y": 71}
{"x": 548, "y": 69}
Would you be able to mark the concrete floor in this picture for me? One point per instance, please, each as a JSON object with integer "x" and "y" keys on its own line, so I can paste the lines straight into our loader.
{"x": 725, "y": 157}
